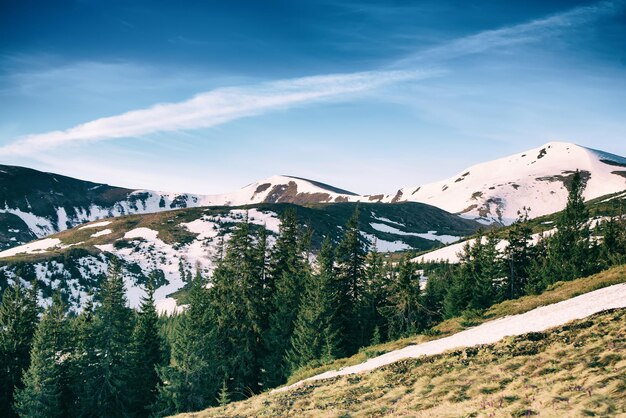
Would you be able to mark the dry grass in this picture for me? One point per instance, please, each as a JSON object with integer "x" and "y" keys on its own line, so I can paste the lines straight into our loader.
{"x": 558, "y": 292}
{"x": 519, "y": 376}
{"x": 575, "y": 370}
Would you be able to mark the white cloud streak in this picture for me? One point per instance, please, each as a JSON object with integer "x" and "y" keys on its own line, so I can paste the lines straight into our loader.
{"x": 227, "y": 104}
{"x": 214, "y": 108}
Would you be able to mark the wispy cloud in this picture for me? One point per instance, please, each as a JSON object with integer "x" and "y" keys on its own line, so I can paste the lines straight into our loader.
{"x": 533, "y": 31}
{"x": 214, "y": 108}
{"x": 222, "y": 105}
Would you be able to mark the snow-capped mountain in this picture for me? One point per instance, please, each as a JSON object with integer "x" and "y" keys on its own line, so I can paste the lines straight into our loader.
{"x": 75, "y": 260}
{"x": 496, "y": 190}
{"x": 34, "y": 204}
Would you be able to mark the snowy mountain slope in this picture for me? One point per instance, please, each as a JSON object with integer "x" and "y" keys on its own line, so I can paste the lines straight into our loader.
{"x": 34, "y": 204}
{"x": 601, "y": 209}
{"x": 76, "y": 259}
{"x": 536, "y": 320}
{"x": 494, "y": 191}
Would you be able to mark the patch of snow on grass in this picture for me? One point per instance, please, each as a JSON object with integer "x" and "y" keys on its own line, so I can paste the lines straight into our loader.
{"x": 536, "y": 320}
{"x": 145, "y": 233}
{"x": 101, "y": 233}
{"x": 430, "y": 235}
{"x": 96, "y": 225}
{"x": 32, "y": 247}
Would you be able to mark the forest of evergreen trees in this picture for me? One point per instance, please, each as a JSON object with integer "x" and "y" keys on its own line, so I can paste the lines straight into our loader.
{"x": 265, "y": 313}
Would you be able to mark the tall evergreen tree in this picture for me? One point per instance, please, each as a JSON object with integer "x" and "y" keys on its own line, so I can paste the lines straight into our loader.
{"x": 190, "y": 382}
{"x": 518, "y": 257}
{"x": 404, "y": 311}
{"x": 238, "y": 306}
{"x": 45, "y": 381}
{"x": 106, "y": 372}
{"x": 439, "y": 281}
{"x": 486, "y": 269}
{"x": 459, "y": 295}
{"x": 350, "y": 260}
{"x": 18, "y": 320}
{"x": 314, "y": 338}
{"x": 146, "y": 355}
{"x": 569, "y": 249}
{"x": 288, "y": 271}
{"x": 376, "y": 294}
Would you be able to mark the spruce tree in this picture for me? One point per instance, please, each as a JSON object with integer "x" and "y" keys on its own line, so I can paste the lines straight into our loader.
{"x": 190, "y": 381}
{"x": 106, "y": 376}
{"x": 404, "y": 311}
{"x": 314, "y": 338}
{"x": 350, "y": 260}
{"x": 46, "y": 379}
{"x": 147, "y": 355}
{"x": 18, "y": 320}
{"x": 288, "y": 271}
{"x": 238, "y": 304}
{"x": 569, "y": 250}
{"x": 486, "y": 268}
{"x": 459, "y": 295}
{"x": 437, "y": 285}
{"x": 376, "y": 294}
{"x": 518, "y": 257}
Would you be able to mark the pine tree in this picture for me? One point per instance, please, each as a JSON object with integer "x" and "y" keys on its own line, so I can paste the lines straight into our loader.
{"x": 376, "y": 293}
{"x": 459, "y": 295}
{"x": 486, "y": 269}
{"x": 18, "y": 320}
{"x": 238, "y": 304}
{"x": 223, "y": 398}
{"x": 106, "y": 374}
{"x": 437, "y": 285}
{"x": 518, "y": 257}
{"x": 314, "y": 338}
{"x": 46, "y": 379}
{"x": 147, "y": 355}
{"x": 190, "y": 381}
{"x": 350, "y": 258}
{"x": 404, "y": 311}
{"x": 288, "y": 270}
{"x": 569, "y": 251}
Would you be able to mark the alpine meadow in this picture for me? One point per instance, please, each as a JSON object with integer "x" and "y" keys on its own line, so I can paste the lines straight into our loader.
{"x": 449, "y": 239}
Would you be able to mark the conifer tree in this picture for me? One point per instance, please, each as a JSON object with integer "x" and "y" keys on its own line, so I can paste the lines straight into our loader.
{"x": 518, "y": 257}
{"x": 106, "y": 373}
{"x": 569, "y": 249}
{"x": 224, "y": 396}
{"x": 288, "y": 271}
{"x": 147, "y": 355}
{"x": 376, "y": 294}
{"x": 486, "y": 269}
{"x": 314, "y": 338}
{"x": 350, "y": 260}
{"x": 46, "y": 379}
{"x": 18, "y": 320}
{"x": 404, "y": 311}
{"x": 437, "y": 285}
{"x": 459, "y": 295}
{"x": 238, "y": 306}
{"x": 190, "y": 381}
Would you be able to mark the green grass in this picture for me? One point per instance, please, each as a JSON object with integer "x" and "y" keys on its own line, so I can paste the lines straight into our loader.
{"x": 575, "y": 370}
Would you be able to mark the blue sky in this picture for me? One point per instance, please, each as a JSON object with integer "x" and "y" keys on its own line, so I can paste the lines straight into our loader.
{"x": 207, "y": 96}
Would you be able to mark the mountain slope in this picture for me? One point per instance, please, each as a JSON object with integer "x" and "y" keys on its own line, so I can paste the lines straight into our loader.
{"x": 34, "y": 204}
{"x": 576, "y": 369}
{"x": 494, "y": 191}
{"x": 76, "y": 260}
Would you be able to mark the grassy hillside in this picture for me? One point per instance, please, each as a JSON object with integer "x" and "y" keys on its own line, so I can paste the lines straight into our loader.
{"x": 575, "y": 370}
{"x": 333, "y": 391}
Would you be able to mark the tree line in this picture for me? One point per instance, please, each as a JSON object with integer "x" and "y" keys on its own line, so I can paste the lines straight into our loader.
{"x": 266, "y": 312}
